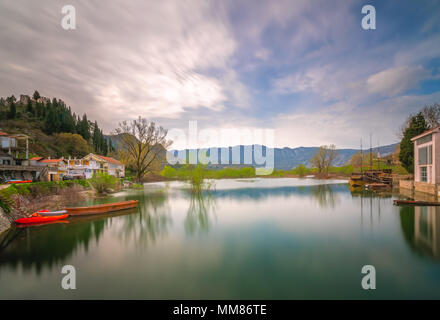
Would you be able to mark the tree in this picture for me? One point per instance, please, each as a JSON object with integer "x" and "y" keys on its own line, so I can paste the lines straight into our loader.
{"x": 29, "y": 107}
{"x": 72, "y": 144}
{"x": 416, "y": 126}
{"x": 36, "y": 95}
{"x": 141, "y": 144}
{"x": 431, "y": 114}
{"x": 12, "y": 110}
{"x": 324, "y": 158}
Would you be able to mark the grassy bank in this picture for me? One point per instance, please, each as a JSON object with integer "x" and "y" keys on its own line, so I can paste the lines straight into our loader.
{"x": 9, "y": 195}
{"x": 184, "y": 172}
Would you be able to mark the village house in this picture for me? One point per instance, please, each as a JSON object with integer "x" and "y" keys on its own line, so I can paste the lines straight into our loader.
{"x": 83, "y": 168}
{"x": 98, "y": 163}
{"x": 9, "y": 146}
{"x": 57, "y": 168}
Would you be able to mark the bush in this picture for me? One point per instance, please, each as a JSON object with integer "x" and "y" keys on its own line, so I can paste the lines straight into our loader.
{"x": 103, "y": 183}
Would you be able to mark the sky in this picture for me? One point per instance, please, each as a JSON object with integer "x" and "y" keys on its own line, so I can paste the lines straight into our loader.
{"x": 305, "y": 69}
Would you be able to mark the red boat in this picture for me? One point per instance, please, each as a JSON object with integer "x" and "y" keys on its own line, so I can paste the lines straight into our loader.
{"x": 38, "y": 218}
{"x": 18, "y": 181}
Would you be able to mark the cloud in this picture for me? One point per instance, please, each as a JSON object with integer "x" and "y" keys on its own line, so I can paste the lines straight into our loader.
{"x": 305, "y": 68}
{"x": 394, "y": 81}
{"x": 153, "y": 58}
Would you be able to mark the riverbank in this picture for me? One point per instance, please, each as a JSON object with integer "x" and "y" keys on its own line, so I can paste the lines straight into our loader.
{"x": 17, "y": 201}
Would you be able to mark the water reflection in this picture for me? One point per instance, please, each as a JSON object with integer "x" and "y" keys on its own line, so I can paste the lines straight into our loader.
{"x": 48, "y": 245}
{"x": 421, "y": 229}
{"x": 327, "y": 195}
{"x": 151, "y": 223}
{"x": 198, "y": 216}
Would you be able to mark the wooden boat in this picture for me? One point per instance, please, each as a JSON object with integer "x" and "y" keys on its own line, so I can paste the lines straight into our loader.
{"x": 37, "y": 219}
{"x": 415, "y": 203}
{"x": 377, "y": 186}
{"x": 102, "y": 208}
{"x": 47, "y": 213}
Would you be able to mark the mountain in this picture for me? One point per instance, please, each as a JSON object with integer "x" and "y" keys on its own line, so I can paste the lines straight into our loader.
{"x": 288, "y": 158}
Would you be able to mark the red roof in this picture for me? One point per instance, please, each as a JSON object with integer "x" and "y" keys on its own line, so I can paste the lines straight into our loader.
{"x": 51, "y": 160}
{"x": 3, "y": 133}
{"x": 110, "y": 160}
{"x": 36, "y": 158}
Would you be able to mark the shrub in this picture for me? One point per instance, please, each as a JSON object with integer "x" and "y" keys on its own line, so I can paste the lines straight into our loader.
{"x": 103, "y": 183}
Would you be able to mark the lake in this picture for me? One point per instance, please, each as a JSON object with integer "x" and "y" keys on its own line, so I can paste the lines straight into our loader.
{"x": 245, "y": 239}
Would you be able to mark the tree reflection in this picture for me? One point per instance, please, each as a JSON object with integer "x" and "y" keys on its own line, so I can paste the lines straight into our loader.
{"x": 325, "y": 196}
{"x": 201, "y": 205}
{"x": 48, "y": 245}
{"x": 151, "y": 222}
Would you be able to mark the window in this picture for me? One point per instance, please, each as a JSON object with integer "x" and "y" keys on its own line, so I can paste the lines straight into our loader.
{"x": 425, "y": 155}
{"x": 423, "y": 174}
{"x": 424, "y": 139}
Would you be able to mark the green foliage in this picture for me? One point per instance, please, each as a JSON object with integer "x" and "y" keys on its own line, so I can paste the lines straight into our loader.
{"x": 51, "y": 117}
{"x": 185, "y": 172}
{"x": 71, "y": 144}
{"x": 301, "y": 170}
{"x": 12, "y": 111}
{"x": 103, "y": 183}
{"x": 416, "y": 126}
{"x": 35, "y": 190}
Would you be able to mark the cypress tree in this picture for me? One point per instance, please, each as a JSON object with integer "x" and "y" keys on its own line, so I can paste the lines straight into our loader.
{"x": 417, "y": 125}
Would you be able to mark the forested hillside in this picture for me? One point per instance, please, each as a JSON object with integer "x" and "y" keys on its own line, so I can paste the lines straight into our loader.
{"x": 55, "y": 130}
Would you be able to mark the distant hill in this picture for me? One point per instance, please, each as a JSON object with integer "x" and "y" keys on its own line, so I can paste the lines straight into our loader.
{"x": 288, "y": 158}
{"x": 54, "y": 129}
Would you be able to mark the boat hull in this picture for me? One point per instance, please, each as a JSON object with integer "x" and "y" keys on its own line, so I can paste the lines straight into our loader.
{"x": 102, "y": 208}
{"x": 40, "y": 219}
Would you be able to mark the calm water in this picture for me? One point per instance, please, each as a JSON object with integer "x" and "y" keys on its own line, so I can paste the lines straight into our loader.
{"x": 250, "y": 238}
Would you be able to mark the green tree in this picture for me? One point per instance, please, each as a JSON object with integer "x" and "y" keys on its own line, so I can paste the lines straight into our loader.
{"x": 416, "y": 126}
{"x": 29, "y": 107}
{"x": 12, "y": 110}
{"x": 72, "y": 144}
{"x": 36, "y": 95}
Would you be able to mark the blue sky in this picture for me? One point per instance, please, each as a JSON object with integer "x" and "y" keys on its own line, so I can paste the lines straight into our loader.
{"x": 305, "y": 69}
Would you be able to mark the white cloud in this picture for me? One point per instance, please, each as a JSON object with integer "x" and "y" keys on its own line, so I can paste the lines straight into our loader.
{"x": 394, "y": 81}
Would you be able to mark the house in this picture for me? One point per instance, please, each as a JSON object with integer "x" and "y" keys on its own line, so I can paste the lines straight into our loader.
{"x": 426, "y": 163}
{"x": 98, "y": 163}
{"x": 83, "y": 168}
{"x": 57, "y": 168}
{"x": 9, "y": 144}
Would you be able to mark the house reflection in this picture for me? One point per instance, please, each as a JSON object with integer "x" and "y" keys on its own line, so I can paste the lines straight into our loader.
{"x": 427, "y": 230}
{"x": 421, "y": 229}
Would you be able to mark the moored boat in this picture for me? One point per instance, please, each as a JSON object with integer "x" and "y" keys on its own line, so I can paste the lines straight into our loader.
{"x": 48, "y": 213}
{"x": 415, "y": 203}
{"x": 18, "y": 181}
{"x": 102, "y": 208}
{"x": 37, "y": 218}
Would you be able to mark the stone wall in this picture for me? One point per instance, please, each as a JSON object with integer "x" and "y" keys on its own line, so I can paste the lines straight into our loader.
{"x": 5, "y": 224}
{"x": 406, "y": 184}
{"x": 425, "y": 187}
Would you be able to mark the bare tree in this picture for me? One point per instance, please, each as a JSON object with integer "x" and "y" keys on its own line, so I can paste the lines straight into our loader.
{"x": 431, "y": 114}
{"x": 142, "y": 144}
{"x": 324, "y": 158}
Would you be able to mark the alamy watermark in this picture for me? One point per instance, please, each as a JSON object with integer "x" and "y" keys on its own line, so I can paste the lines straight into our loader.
{"x": 369, "y": 20}
{"x": 369, "y": 280}
{"x": 252, "y": 147}
{"x": 68, "y": 22}
{"x": 68, "y": 282}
